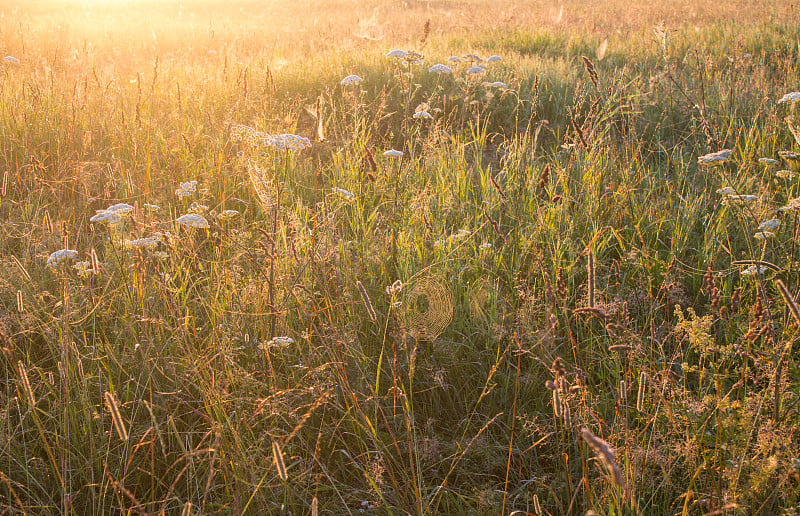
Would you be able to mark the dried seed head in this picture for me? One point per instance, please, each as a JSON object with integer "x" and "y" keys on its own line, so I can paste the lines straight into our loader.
{"x": 561, "y": 285}
{"x": 277, "y": 455}
{"x": 544, "y": 178}
{"x": 642, "y": 390}
{"x": 605, "y": 453}
{"x": 591, "y": 283}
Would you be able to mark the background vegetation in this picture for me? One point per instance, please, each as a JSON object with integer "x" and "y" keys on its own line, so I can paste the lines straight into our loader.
{"x": 547, "y": 305}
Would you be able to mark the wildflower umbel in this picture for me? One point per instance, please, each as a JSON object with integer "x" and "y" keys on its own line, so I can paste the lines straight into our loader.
{"x": 790, "y": 97}
{"x": 106, "y": 217}
{"x": 187, "y": 189}
{"x": 391, "y": 153}
{"x": 193, "y": 220}
{"x": 292, "y": 142}
{"x": 351, "y": 80}
{"x": 715, "y": 158}
{"x": 440, "y": 68}
{"x": 60, "y": 257}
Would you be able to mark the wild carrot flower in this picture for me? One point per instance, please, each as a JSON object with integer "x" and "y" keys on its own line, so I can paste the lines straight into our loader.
{"x": 473, "y": 58}
{"x": 726, "y": 191}
{"x": 393, "y": 153}
{"x": 792, "y": 205}
{"x": 476, "y": 70}
{"x": 763, "y": 235}
{"x": 494, "y": 59}
{"x": 498, "y": 84}
{"x": 11, "y": 59}
{"x": 227, "y": 214}
{"x": 150, "y": 242}
{"x": 398, "y": 54}
{"x": 120, "y": 208}
{"x": 193, "y": 220}
{"x": 789, "y": 97}
{"x": 422, "y": 114}
{"x": 454, "y": 59}
{"x": 440, "y": 68}
{"x": 768, "y": 161}
{"x": 187, "y": 189}
{"x": 351, "y": 80}
{"x": 106, "y": 217}
{"x": 785, "y": 174}
{"x": 770, "y": 224}
{"x": 60, "y": 257}
{"x": 715, "y": 158}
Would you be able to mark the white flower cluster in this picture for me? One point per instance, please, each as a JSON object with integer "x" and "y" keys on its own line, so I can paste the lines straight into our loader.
{"x": 193, "y": 220}
{"x": 150, "y": 242}
{"x": 440, "y": 68}
{"x": 227, "y": 214}
{"x": 60, "y": 257}
{"x": 255, "y": 138}
{"x": 715, "y": 158}
{"x": 351, "y": 80}
{"x": 391, "y": 153}
{"x": 790, "y": 97}
{"x": 11, "y": 59}
{"x": 187, "y": 189}
{"x": 106, "y": 217}
{"x": 276, "y": 342}
{"x": 753, "y": 270}
{"x": 84, "y": 269}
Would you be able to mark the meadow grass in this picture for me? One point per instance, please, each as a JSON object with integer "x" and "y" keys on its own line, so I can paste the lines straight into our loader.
{"x": 544, "y": 303}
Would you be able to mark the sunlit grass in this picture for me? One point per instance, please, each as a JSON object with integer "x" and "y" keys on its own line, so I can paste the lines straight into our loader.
{"x": 399, "y": 258}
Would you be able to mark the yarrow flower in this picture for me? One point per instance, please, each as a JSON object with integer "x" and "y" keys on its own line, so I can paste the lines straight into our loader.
{"x": 770, "y": 224}
{"x": 791, "y": 157}
{"x": 351, "y": 80}
{"x": 120, "y": 208}
{"x": 393, "y": 153}
{"x": 785, "y": 174}
{"x": 61, "y": 257}
{"x": 715, "y": 158}
{"x": 476, "y": 70}
{"x": 763, "y": 235}
{"x": 473, "y": 58}
{"x": 344, "y": 193}
{"x": 494, "y": 59}
{"x": 276, "y": 342}
{"x": 398, "y": 54}
{"x": 196, "y": 207}
{"x": 790, "y": 97}
{"x": 106, "y": 217}
{"x": 729, "y": 199}
{"x": 227, "y": 214}
{"x": 768, "y": 161}
{"x": 497, "y": 84}
{"x": 84, "y": 269}
{"x": 193, "y": 220}
{"x": 187, "y": 189}
{"x": 454, "y": 59}
{"x": 255, "y": 138}
{"x": 792, "y": 205}
{"x": 440, "y": 68}
{"x": 150, "y": 242}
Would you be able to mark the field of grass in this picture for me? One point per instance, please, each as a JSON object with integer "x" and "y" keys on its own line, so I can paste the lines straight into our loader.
{"x": 544, "y": 303}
